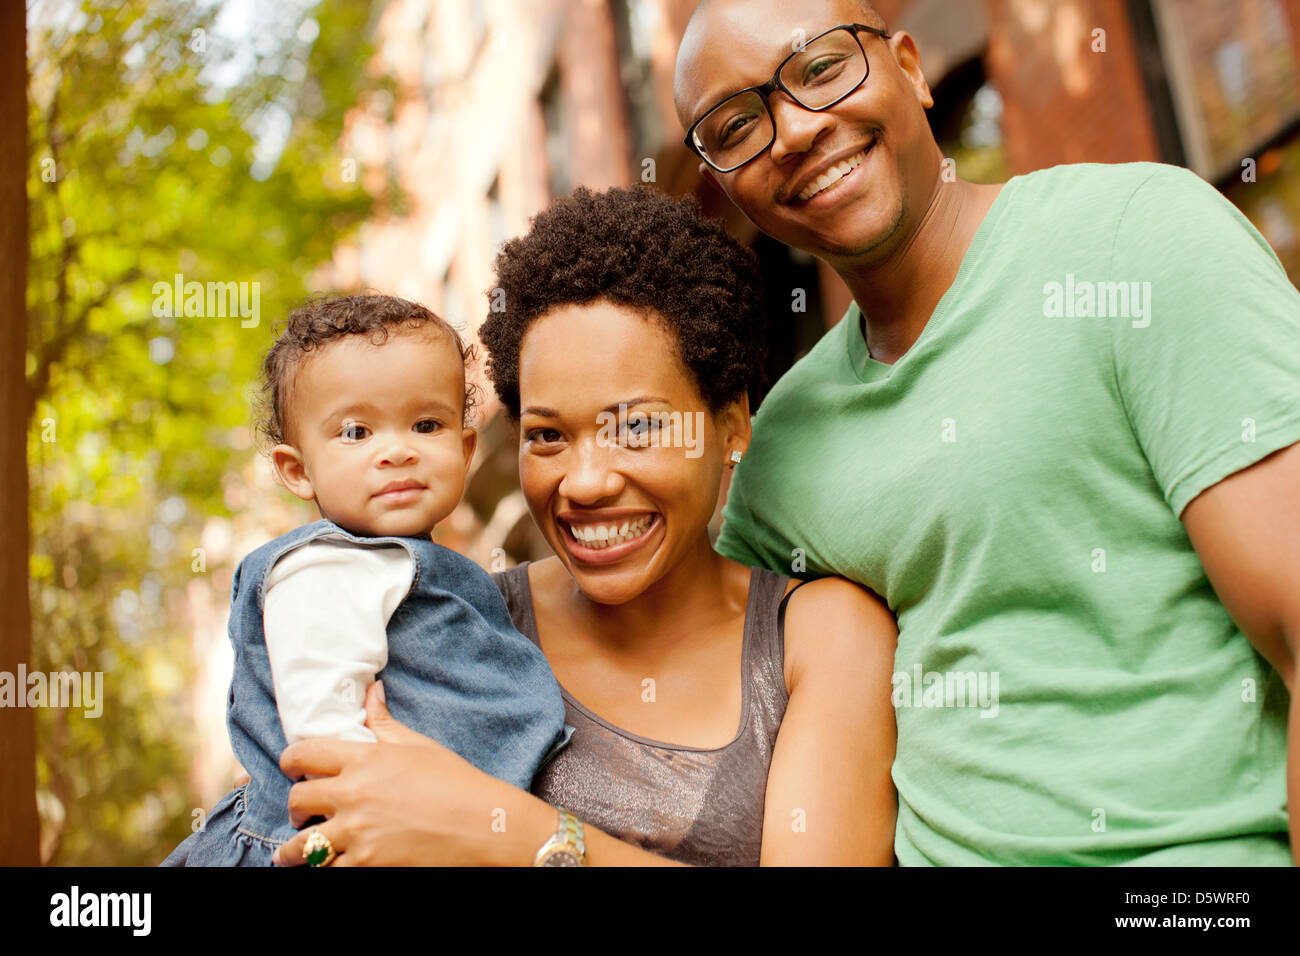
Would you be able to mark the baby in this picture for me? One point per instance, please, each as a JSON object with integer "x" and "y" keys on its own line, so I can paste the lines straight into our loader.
{"x": 366, "y": 406}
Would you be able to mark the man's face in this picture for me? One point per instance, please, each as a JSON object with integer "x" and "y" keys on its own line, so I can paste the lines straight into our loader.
{"x": 879, "y": 130}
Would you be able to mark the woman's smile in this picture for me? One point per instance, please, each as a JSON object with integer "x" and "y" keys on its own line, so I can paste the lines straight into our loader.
{"x": 594, "y": 541}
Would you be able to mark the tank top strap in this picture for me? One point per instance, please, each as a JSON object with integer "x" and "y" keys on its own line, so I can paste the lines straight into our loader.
{"x": 780, "y": 614}
{"x": 513, "y": 584}
{"x": 765, "y": 643}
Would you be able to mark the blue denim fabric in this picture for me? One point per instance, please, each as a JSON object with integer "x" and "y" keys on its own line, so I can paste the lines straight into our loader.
{"x": 457, "y": 671}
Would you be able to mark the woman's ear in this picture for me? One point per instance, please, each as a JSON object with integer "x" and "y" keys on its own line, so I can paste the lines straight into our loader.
{"x": 736, "y": 427}
{"x": 292, "y": 471}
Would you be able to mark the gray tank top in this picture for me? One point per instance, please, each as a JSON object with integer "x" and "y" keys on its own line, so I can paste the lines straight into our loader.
{"x": 703, "y": 807}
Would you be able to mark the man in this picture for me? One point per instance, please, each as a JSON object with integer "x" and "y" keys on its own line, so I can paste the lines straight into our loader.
{"x": 1057, "y": 432}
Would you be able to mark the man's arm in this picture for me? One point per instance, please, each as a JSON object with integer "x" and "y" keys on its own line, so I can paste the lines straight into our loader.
{"x": 1246, "y": 531}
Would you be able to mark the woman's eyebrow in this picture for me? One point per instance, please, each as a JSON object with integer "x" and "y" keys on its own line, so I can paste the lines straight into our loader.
{"x": 543, "y": 412}
{"x": 639, "y": 400}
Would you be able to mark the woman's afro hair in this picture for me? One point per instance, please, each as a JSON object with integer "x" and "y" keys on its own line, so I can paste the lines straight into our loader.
{"x": 639, "y": 248}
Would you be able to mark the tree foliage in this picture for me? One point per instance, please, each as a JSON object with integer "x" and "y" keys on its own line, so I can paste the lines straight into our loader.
{"x": 162, "y": 143}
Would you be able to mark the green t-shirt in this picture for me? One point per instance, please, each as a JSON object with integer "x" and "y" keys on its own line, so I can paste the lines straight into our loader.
{"x": 1068, "y": 688}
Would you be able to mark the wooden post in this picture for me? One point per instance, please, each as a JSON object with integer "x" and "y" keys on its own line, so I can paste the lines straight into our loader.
{"x": 19, "y": 827}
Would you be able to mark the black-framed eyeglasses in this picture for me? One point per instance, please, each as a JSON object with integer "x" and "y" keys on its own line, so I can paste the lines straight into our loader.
{"x": 817, "y": 75}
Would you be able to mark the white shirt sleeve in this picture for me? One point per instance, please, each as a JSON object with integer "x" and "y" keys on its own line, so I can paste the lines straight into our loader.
{"x": 325, "y": 617}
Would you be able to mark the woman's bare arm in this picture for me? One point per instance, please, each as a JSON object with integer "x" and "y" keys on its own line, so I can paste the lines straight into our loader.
{"x": 409, "y": 801}
{"x": 830, "y": 796}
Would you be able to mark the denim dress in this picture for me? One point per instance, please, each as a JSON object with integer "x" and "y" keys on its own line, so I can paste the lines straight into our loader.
{"x": 457, "y": 671}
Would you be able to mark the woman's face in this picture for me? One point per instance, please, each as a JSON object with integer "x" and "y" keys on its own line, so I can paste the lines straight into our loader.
{"x": 619, "y": 457}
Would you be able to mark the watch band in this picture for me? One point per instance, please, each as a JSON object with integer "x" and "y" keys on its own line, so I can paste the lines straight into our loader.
{"x": 567, "y": 846}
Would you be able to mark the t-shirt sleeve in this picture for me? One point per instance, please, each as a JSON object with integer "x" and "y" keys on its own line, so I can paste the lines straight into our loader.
{"x": 735, "y": 540}
{"x": 325, "y": 617}
{"x": 746, "y": 538}
{"x": 1207, "y": 360}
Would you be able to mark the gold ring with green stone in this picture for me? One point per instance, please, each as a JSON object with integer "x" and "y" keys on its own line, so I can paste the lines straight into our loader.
{"x": 318, "y": 851}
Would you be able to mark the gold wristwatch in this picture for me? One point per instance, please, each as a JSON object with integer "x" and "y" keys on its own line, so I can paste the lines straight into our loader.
{"x": 566, "y": 846}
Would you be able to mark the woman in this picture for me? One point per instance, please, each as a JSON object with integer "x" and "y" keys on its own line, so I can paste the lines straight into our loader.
{"x": 626, "y": 354}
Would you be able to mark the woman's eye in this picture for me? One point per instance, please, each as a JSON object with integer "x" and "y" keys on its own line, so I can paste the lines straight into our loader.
{"x": 542, "y": 436}
{"x": 428, "y": 426}
{"x": 641, "y": 428}
{"x": 354, "y": 432}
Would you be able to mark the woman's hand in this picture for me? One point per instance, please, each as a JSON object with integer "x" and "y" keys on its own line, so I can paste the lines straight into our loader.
{"x": 408, "y": 801}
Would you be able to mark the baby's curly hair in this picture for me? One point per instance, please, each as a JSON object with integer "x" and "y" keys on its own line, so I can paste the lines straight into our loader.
{"x": 322, "y": 320}
{"x": 640, "y": 248}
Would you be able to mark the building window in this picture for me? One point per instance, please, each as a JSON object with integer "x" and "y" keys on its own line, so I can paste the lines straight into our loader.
{"x": 1234, "y": 78}
{"x": 555, "y": 117}
{"x": 635, "y": 23}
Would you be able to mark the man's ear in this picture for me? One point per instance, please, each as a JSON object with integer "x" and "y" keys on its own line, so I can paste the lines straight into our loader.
{"x": 469, "y": 438}
{"x": 908, "y": 58}
{"x": 292, "y": 471}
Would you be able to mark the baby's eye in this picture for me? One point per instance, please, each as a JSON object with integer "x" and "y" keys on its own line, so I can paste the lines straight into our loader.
{"x": 354, "y": 432}
{"x": 428, "y": 426}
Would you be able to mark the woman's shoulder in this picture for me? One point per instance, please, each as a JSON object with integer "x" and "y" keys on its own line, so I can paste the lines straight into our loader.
{"x": 834, "y": 592}
{"x": 832, "y": 621}
{"x": 516, "y": 583}
{"x": 516, "y": 589}
{"x": 510, "y": 576}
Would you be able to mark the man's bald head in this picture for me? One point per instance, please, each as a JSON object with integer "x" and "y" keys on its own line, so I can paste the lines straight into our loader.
{"x": 726, "y": 14}
{"x": 867, "y": 13}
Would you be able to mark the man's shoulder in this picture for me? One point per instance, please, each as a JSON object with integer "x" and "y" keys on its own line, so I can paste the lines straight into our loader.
{"x": 1154, "y": 207}
{"x": 1104, "y": 187}
{"x": 797, "y": 391}
{"x": 1115, "y": 175}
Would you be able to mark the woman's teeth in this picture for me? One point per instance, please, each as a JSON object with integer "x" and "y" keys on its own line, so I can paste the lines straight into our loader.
{"x": 833, "y": 175}
{"x": 604, "y": 535}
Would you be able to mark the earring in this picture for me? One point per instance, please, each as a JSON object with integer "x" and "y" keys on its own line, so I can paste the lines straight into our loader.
{"x": 735, "y": 458}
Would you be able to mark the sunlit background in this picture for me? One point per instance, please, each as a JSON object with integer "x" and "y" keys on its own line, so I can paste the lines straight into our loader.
{"x": 394, "y": 145}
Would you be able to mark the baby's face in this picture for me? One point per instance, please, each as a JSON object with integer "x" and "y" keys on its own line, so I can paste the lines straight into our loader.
{"x": 377, "y": 433}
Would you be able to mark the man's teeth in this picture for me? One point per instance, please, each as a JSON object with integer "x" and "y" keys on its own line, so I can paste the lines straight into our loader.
{"x": 833, "y": 175}
{"x": 604, "y": 535}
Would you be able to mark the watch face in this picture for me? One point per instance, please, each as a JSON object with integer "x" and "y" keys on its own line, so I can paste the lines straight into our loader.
{"x": 562, "y": 858}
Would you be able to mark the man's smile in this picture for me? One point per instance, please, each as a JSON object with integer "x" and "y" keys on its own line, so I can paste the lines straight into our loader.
{"x": 826, "y": 175}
